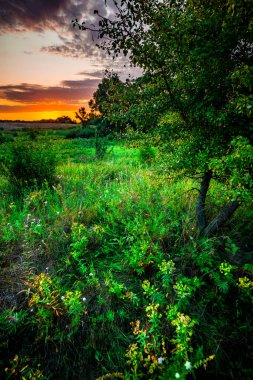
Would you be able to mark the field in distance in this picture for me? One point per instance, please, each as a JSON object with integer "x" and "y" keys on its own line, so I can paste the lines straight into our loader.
{"x": 9, "y": 125}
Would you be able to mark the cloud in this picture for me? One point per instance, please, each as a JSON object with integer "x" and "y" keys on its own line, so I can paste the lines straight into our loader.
{"x": 95, "y": 74}
{"x": 81, "y": 84}
{"x": 38, "y": 108}
{"x": 79, "y": 45}
{"x": 23, "y": 15}
{"x": 55, "y": 15}
{"x": 69, "y": 93}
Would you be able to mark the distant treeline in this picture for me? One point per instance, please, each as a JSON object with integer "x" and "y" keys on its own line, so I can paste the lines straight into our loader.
{"x": 61, "y": 119}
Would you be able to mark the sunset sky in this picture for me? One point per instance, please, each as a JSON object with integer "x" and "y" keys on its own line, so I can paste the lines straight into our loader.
{"x": 48, "y": 69}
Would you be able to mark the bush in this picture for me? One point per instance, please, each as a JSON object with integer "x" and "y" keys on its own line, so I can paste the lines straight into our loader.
{"x": 147, "y": 154}
{"x": 86, "y": 133}
{"x": 33, "y": 134}
{"x": 5, "y": 138}
{"x": 101, "y": 147}
{"x": 30, "y": 165}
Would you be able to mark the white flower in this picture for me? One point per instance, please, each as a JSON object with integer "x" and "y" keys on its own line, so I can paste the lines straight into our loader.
{"x": 62, "y": 298}
{"x": 188, "y": 365}
{"x": 31, "y": 310}
{"x": 160, "y": 360}
{"x": 91, "y": 274}
{"x": 84, "y": 299}
{"x": 177, "y": 376}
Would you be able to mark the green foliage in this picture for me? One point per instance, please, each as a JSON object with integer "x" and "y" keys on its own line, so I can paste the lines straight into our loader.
{"x": 82, "y": 115}
{"x": 30, "y": 165}
{"x": 147, "y": 154}
{"x": 197, "y": 63}
{"x": 237, "y": 167}
{"x": 86, "y": 132}
{"x": 105, "y": 274}
{"x": 20, "y": 367}
{"x": 101, "y": 148}
{"x": 4, "y": 137}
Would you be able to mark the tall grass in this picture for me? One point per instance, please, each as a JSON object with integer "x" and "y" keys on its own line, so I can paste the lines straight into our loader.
{"x": 104, "y": 275}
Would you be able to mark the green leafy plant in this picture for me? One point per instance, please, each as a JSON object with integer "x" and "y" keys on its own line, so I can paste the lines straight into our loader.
{"x": 30, "y": 165}
{"x": 147, "y": 154}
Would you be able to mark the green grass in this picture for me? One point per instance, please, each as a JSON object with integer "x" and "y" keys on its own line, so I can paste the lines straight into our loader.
{"x": 105, "y": 273}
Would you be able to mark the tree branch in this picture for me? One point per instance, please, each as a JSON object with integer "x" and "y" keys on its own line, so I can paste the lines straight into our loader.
{"x": 221, "y": 218}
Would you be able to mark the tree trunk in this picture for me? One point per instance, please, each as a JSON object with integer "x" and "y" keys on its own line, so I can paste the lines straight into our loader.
{"x": 221, "y": 218}
{"x": 200, "y": 206}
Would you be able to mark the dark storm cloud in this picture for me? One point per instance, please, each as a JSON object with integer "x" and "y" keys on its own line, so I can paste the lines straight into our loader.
{"x": 70, "y": 92}
{"x": 43, "y": 14}
{"x": 55, "y": 15}
{"x": 27, "y": 14}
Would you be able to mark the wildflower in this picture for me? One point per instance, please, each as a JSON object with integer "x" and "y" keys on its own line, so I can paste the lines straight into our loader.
{"x": 84, "y": 299}
{"x": 62, "y": 298}
{"x": 177, "y": 376}
{"x": 91, "y": 274}
{"x": 188, "y": 365}
{"x": 12, "y": 318}
{"x": 31, "y": 310}
{"x": 160, "y": 360}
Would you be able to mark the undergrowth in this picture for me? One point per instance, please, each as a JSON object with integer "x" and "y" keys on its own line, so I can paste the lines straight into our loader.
{"x": 104, "y": 275}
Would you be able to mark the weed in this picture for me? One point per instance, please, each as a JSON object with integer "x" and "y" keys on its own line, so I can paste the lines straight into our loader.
{"x": 103, "y": 274}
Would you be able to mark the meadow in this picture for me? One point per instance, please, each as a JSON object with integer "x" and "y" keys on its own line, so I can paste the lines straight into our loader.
{"x": 104, "y": 274}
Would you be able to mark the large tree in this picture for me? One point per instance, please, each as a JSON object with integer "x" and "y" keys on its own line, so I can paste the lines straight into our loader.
{"x": 200, "y": 52}
{"x": 135, "y": 102}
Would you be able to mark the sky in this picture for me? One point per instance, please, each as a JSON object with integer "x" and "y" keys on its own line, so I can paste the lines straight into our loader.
{"x": 47, "y": 68}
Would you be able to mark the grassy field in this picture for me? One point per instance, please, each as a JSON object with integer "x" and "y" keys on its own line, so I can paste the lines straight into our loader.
{"x": 104, "y": 274}
{"x": 11, "y": 126}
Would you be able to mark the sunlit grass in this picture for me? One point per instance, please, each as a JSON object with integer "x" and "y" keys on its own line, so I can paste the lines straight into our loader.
{"x": 112, "y": 240}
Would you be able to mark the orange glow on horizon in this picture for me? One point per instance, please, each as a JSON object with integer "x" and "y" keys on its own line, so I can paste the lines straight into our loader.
{"x": 35, "y": 112}
{"x": 35, "y": 116}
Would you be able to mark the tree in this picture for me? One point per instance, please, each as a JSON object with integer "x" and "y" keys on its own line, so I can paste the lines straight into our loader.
{"x": 135, "y": 102}
{"x": 82, "y": 115}
{"x": 200, "y": 53}
{"x": 65, "y": 119}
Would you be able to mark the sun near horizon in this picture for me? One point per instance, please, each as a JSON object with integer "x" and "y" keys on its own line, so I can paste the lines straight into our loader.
{"x": 37, "y": 82}
{"x": 37, "y": 112}
{"x": 48, "y": 68}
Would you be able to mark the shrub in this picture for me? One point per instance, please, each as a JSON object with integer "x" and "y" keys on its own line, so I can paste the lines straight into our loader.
{"x": 30, "y": 165}
{"x": 147, "y": 154}
{"x": 33, "y": 134}
{"x": 101, "y": 147}
{"x": 5, "y": 138}
{"x": 85, "y": 133}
